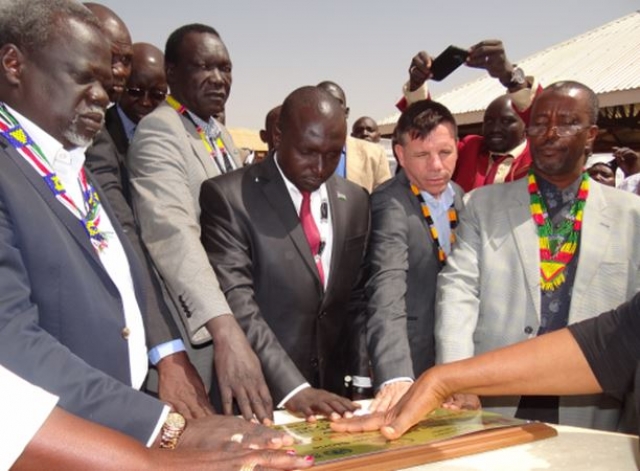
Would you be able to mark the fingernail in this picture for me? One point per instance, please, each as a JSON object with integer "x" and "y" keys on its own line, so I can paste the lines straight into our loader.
{"x": 309, "y": 458}
{"x": 291, "y": 452}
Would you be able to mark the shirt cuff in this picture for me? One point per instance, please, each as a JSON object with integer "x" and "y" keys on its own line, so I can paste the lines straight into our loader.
{"x": 422, "y": 93}
{"x": 156, "y": 431}
{"x": 362, "y": 382}
{"x": 397, "y": 380}
{"x": 164, "y": 350}
{"x": 292, "y": 393}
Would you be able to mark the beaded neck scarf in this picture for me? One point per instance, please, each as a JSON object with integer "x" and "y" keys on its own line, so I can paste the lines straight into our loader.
{"x": 182, "y": 110}
{"x": 453, "y": 223}
{"x": 89, "y": 215}
{"x": 555, "y": 257}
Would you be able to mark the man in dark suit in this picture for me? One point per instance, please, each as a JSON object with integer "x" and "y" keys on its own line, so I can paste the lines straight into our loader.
{"x": 286, "y": 239}
{"x": 145, "y": 86}
{"x": 71, "y": 288}
{"x": 413, "y": 219}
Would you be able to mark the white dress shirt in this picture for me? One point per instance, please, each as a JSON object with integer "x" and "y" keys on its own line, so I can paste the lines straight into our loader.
{"x": 67, "y": 165}
{"x": 318, "y": 200}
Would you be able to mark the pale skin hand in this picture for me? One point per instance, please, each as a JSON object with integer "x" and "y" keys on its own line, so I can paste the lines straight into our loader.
{"x": 180, "y": 385}
{"x": 389, "y": 395}
{"x": 311, "y": 402}
{"x": 521, "y": 368}
{"x": 239, "y": 372}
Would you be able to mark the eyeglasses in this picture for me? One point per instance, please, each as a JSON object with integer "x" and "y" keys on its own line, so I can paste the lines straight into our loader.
{"x": 154, "y": 95}
{"x": 562, "y": 130}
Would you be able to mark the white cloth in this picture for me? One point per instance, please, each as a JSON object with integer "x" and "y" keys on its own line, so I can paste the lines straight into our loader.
{"x": 67, "y": 165}
{"x": 24, "y": 408}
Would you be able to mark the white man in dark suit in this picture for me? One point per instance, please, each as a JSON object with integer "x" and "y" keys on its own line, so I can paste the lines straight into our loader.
{"x": 286, "y": 238}
{"x": 71, "y": 287}
{"x": 413, "y": 220}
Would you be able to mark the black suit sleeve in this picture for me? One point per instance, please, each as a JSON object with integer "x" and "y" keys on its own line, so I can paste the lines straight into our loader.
{"x": 229, "y": 250}
{"x": 35, "y": 355}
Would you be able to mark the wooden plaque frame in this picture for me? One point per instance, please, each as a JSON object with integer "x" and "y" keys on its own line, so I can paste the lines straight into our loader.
{"x": 414, "y": 455}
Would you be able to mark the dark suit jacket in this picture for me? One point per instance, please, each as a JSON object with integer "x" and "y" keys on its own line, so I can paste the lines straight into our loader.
{"x": 253, "y": 236}
{"x": 402, "y": 266}
{"x": 106, "y": 160}
{"x": 61, "y": 316}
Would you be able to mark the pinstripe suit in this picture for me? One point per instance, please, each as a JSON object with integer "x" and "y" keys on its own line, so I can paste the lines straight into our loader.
{"x": 489, "y": 293}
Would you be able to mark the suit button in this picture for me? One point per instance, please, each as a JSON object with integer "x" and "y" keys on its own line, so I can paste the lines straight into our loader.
{"x": 314, "y": 362}
{"x": 125, "y": 333}
{"x": 322, "y": 315}
{"x": 528, "y": 330}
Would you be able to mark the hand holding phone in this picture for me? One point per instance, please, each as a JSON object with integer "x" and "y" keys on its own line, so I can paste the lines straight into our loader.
{"x": 448, "y": 61}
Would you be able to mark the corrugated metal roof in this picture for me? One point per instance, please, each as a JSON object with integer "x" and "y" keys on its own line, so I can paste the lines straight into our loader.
{"x": 607, "y": 59}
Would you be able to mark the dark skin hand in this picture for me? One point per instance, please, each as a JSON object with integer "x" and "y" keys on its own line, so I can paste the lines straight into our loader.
{"x": 488, "y": 55}
{"x": 180, "y": 385}
{"x": 239, "y": 372}
{"x": 216, "y": 432}
{"x": 627, "y": 159}
{"x": 311, "y": 402}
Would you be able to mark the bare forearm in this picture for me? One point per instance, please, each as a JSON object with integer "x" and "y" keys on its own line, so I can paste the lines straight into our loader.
{"x": 550, "y": 364}
{"x": 66, "y": 442}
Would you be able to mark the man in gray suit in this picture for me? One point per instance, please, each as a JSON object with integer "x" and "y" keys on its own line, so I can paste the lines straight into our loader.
{"x": 175, "y": 148}
{"x": 413, "y": 219}
{"x": 71, "y": 288}
{"x": 178, "y": 381}
{"x": 287, "y": 239}
{"x": 537, "y": 254}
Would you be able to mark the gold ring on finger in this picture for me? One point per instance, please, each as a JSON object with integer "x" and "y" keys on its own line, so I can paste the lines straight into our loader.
{"x": 249, "y": 466}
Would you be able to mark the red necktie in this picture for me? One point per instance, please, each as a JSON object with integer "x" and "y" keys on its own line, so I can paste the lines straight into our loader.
{"x": 311, "y": 232}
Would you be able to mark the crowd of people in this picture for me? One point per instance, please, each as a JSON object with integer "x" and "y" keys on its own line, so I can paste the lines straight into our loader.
{"x": 154, "y": 285}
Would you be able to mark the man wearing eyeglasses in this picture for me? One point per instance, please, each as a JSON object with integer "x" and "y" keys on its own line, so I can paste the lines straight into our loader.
{"x": 138, "y": 86}
{"x": 539, "y": 253}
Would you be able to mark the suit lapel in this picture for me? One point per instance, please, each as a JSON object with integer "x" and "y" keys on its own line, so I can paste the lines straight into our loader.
{"x": 595, "y": 234}
{"x": 73, "y": 225}
{"x": 526, "y": 239}
{"x": 417, "y": 208}
{"x": 339, "y": 223}
{"x": 277, "y": 196}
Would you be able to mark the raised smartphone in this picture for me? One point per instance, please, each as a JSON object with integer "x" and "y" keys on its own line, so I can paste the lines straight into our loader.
{"x": 448, "y": 61}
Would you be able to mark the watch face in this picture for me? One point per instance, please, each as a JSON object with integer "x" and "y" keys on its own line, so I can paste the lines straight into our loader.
{"x": 517, "y": 76}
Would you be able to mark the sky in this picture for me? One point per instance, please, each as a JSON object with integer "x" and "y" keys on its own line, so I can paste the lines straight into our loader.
{"x": 277, "y": 46}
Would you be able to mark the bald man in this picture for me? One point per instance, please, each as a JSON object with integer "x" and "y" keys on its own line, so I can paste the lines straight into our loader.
{"x": 286, "y": 239}
{"x": 121, "y": 48}
{"x": 146, "y": 87}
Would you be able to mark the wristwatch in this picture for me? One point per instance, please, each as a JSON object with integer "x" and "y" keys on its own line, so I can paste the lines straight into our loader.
{"x": 517, "y": 78}
{"x": 172, "y": 430}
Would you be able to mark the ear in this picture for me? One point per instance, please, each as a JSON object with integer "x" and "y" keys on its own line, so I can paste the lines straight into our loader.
{"x": 169, "y": 71}
{"x": 399, "y": 151}
{"x": 263, "y": 135}
{"x": 12, "y": 62}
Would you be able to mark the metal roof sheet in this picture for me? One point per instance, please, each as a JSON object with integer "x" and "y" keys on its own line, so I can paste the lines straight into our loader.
{"x": 606, "y": 58}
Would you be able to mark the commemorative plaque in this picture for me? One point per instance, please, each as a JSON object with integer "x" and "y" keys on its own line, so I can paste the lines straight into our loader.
{"x": 442, "y": 435}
